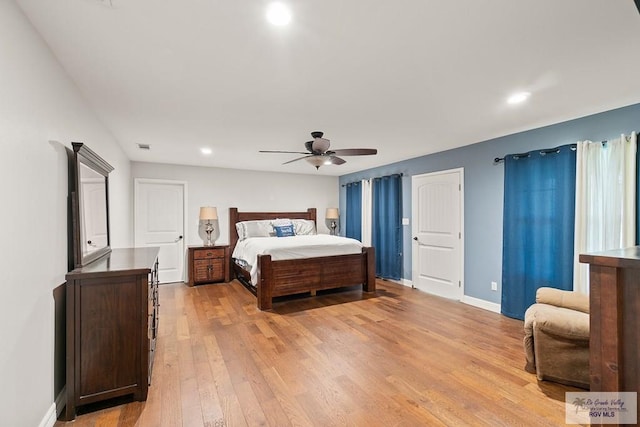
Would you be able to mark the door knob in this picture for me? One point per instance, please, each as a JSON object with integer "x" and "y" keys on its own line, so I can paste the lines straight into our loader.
{"x": 415, "y": 238}
{"x": 178, "y": 239}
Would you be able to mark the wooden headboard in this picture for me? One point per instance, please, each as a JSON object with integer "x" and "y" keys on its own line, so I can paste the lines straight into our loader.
{"x": 236, "y": 216}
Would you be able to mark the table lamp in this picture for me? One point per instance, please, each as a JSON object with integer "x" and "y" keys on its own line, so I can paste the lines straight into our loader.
{"x": 208, "y": 213}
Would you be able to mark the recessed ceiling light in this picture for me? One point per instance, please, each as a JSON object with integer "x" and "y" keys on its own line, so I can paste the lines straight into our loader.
{"x": 278, "y": 14}
{"x": 519, "y": 97}
{"x": 206, "y": 150}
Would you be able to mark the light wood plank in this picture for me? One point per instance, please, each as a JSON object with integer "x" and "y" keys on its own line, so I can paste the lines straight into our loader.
{"x": 398, "y": 357}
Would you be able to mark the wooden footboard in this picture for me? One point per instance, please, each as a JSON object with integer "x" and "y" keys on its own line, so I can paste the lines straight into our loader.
{"x": 279, "y": 278}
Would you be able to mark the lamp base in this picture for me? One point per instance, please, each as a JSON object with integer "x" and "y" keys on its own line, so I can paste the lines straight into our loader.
{"x": 333, "y": 228}
{"x": 209, "y": 230}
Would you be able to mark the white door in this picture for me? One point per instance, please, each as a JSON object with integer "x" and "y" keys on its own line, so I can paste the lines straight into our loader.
{"x": 159, "y": 221}
{"x": 437, "y": 211}
{"x": 94, "y": 216}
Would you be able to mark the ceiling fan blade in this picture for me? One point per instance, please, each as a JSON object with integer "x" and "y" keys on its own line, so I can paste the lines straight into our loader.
{"x": 320, "y": 145}
{"x": 355, "y": 152}
{"x": 285, "y": 152}
{"x": 336, "y": 160}
{"x": 299, "y": 158}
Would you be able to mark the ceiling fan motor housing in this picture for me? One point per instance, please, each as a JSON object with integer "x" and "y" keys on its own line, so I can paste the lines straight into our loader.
{"x": 320, "y": 145}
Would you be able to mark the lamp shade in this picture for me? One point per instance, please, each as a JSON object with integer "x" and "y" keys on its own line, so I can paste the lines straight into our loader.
{"x": 331, "y": 213}
{"x": 208, "y": 213}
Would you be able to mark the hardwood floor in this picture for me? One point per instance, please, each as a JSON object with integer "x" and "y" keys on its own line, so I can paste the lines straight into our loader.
{"x": 399, "y": 357}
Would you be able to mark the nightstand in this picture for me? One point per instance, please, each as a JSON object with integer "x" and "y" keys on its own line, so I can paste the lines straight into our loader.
{"x": 208, "y": 264}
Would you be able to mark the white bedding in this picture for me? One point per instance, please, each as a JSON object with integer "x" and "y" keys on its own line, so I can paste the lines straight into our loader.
{"x": 293, "y": 247}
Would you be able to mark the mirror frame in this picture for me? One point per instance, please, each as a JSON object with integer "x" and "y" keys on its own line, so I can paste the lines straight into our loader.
{"x": 83, "y": 155}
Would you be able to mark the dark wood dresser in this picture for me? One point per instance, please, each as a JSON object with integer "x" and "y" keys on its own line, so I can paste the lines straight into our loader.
{"x": 208, "y": 264}
{"x": 614, "y": 299}
{"x": 112, "y": 325}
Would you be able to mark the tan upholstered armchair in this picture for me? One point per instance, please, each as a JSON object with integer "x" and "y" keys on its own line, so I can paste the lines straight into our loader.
{"x": 556, "y": 337}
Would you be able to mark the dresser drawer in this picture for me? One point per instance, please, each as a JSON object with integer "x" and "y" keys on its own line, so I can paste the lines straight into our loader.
{"x": 208, "y": 253}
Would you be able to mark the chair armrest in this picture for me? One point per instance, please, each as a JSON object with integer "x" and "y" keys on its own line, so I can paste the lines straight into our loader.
{"x": 561, "y": 322}
{"x": 560, "y": 298}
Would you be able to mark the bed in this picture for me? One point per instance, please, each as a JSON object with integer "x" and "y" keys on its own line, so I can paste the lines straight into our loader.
{"x": 282, "y": 277}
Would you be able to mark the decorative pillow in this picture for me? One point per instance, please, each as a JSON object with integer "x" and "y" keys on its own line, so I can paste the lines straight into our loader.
{"x": 284, "y": 230}
{"x": 260, "y": 228}
{"x": 304, "y": 227}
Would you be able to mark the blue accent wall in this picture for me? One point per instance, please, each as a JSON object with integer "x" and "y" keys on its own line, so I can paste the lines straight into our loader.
{"x": 483, "y": 186}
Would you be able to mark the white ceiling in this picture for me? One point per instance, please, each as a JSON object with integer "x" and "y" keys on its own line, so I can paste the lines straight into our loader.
{"x": 408, "y": 77}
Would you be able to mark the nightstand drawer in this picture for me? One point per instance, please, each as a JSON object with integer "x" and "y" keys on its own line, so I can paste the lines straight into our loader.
{"x": 208, "y": 253}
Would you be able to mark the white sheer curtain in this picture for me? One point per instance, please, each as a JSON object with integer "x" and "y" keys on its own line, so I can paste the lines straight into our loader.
{"x": 605, "y": 200}
{"x": 366, "y": 212}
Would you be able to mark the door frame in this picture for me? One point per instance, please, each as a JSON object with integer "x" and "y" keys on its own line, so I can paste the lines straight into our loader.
{"x": 414, "y": 205}
{"x": 136, "y": 192}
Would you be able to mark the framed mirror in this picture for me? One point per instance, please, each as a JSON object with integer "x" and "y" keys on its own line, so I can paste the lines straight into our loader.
{"x": 89, "y": 191}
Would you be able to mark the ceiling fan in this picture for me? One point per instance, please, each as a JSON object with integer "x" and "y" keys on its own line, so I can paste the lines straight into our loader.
{"x": 318, "y": 152}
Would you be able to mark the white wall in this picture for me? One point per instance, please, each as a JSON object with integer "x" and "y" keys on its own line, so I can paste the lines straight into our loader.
{"x": 245, "y": 190}
{"x": 41, "y": 112}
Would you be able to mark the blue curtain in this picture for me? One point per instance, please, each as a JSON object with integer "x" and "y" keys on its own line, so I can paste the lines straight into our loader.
{"x": 386, "y": 233}
{"x": 353, "y": 227}
{"x": 538, "y": 226}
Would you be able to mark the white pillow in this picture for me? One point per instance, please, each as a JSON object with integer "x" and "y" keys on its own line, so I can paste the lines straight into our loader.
{"x": 260, "y": 228}
{"x": 281, "y": 221}
{"x": 240, "y": 230}
{"x": 304, "y": 226}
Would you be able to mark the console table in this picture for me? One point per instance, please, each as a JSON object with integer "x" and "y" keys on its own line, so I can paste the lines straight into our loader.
{"x": 614, "y": 298}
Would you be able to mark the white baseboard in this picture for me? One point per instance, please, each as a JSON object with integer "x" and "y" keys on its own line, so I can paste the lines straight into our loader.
{"x": 480, "y": 303}
{"x": 61, "y": 400}
{"x": 403, "y": 282}
{"x": 49, "y": 418}
{"x": 52, "y": 414}
{"x": 476, "y": 302}
{"x": 407, "y": 282}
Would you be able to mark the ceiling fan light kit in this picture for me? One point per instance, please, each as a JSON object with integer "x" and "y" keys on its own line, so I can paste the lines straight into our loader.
{"x": 318, "y": 153}
{"x": 317, "y": 161}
